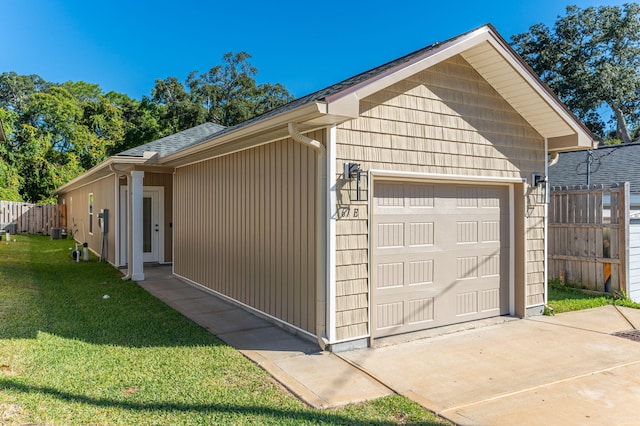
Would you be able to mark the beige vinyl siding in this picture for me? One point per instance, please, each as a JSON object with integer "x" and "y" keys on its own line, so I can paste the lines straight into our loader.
{"x": 245, "y": 227}
{"x": 77, "y": 202}
{"x": 444, "y": 120}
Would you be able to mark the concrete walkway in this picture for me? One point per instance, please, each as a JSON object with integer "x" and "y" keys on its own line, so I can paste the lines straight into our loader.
{"x": 321, "y": 379}
{"x": 566, "y": 369}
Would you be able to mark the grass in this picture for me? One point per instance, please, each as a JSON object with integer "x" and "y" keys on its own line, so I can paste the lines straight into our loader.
{"x": 565, "y": 298}
{"x": 69, "y": 356}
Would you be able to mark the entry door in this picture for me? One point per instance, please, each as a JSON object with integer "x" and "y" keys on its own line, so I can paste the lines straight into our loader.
{"x": 150, "y": 226}
{"x": 152, "y": 238}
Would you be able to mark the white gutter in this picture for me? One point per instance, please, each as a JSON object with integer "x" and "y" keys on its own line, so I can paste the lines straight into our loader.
{"x": 321, "y": 232}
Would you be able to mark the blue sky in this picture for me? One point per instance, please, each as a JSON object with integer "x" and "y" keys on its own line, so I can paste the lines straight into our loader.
{"x": 124, "y": 45}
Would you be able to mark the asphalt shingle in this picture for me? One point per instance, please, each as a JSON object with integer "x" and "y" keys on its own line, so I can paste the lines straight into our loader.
{"x": 176, "y": 142}
{"x": 609, "y": 165}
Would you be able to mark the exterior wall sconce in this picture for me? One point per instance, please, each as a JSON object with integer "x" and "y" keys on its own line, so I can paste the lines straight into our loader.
{"x": 540, "y": 182}
{"x": 358, "y": 182}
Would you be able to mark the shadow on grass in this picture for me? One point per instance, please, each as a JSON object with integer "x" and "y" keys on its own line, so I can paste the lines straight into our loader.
{"x": 43, "y": 290}
{"x": 256, "y": 412}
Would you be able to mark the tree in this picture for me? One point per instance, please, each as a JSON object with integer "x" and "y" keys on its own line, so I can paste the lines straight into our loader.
{"x": 591, "y": 59}
{"x": 140, "y": 121}
{"x": 229, "y": 93}
{"x": 10, "y": 180}
{"x": 16, "y": 89}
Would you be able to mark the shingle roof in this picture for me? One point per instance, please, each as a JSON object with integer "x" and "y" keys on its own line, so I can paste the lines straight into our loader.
{"x": 176, "y": 142}
{"x": 611, "y": 164}
{"x": 335, "y": 88}
{"x": 195, "y": 135}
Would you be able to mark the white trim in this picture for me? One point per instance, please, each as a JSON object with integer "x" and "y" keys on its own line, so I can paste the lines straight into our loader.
{"x": 370, "y": 318}
{"x": 512, "y": 251}
{"x": 445, "y": 177}
{"x": 257, "y": 312}
{"x": 173, "y": 220}
{"x": 115, "y": 219}
{"x": 122, "y": 213}
{"x": 135, "y": 207}
{"x": 545, "y": 223}
{"x": 331, "y": 231}
{"x": 246, "y": 148}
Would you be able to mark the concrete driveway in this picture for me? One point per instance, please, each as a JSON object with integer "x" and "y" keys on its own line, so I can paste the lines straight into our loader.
{"x": 566, "y": 369}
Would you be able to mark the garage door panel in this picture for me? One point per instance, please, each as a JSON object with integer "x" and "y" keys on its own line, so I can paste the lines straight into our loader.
{"x": 440, "y": 255}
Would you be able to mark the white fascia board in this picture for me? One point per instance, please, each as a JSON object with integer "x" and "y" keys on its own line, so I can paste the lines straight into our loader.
{"x": 339, "y": 101}
{"x": 301, "y": 114}
{"x": 97, "y": 172}
{"x": 541, "y": 89}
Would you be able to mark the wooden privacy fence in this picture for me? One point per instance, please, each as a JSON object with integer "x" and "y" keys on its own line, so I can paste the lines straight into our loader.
{"x": 31, "y": 218}
{"x": 588, "y": 236}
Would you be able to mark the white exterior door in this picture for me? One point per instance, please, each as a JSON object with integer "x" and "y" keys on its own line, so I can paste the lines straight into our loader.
{"x": 152, "y": 223}
{"x": 151, "y": 226}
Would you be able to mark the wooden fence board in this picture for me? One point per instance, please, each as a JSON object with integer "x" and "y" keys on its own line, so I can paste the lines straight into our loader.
{"x": 31, "y": 218}
{"x": 586, "y": 238}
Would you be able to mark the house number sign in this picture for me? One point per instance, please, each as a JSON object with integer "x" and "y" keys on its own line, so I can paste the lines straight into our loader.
{"x": 348, "y": 212}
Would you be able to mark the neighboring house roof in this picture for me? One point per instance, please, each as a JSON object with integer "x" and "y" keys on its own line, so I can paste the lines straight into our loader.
{"x": 609, "y": 165}
{"x": 176, "y": 142}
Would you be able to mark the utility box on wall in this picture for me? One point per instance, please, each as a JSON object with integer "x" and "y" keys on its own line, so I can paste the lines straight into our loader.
{"x": 103, "y": 220}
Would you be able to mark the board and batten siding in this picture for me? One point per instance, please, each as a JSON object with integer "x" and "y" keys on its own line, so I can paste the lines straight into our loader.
{"x": 77, "y": 202}
{"x": 444, "y": 120}
{"x": 244, "y": 226}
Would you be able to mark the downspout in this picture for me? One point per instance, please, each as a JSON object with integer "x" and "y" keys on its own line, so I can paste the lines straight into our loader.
{"x": 117, "y": 214}
{"x": 321, "y": 232}
{"x": 545, "y": 223}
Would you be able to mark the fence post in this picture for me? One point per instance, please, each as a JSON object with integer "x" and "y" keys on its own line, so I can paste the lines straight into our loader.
{"x": 624, "y": 236}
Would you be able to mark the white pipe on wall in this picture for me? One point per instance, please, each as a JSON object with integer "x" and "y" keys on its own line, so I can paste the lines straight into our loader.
{"x": 321, "y": 232}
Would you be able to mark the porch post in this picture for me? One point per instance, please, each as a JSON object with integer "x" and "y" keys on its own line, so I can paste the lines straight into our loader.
{"x": 137, "y": 256}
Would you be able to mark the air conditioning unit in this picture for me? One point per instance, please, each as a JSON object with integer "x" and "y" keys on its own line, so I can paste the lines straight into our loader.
{"x": 56, "y": 233}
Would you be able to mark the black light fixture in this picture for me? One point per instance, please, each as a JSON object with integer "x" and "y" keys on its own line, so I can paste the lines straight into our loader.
{"x": 540, "y": 181}
{"x": 353, "y": 172}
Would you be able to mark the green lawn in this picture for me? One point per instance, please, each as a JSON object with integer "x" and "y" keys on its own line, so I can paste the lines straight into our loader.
{"x": 69, "y": 356}
{"x": 564, "y": 298}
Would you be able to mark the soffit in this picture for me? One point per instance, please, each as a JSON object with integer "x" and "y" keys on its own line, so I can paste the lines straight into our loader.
{"x": 497, "y": 63}
{"x": 516, "y": 90}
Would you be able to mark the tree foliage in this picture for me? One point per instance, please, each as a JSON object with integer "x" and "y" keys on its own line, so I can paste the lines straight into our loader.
{"x": 591, "y": 59}
{"x": 57, "y": 131}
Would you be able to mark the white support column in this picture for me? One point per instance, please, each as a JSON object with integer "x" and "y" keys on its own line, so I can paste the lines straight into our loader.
{"x": 136, "y": 266}
{"x": 331, "y": 231}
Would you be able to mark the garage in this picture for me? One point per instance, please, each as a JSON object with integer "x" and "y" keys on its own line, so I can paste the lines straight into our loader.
{"x": 440, "y": 254}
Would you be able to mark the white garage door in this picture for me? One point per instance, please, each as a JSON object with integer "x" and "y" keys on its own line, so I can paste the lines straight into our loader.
{"x": 440, "y": 255}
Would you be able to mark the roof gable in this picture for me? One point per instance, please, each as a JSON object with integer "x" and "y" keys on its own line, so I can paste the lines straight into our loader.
{"x": 492, "y": 57}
